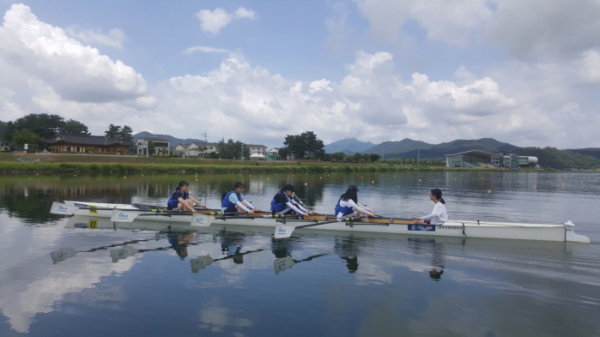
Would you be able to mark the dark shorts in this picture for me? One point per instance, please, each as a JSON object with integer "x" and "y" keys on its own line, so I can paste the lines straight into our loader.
{"x": 230, "y": 209}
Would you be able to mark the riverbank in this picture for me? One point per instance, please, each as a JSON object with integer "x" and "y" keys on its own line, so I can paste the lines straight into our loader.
{"x": 130, "y": 165}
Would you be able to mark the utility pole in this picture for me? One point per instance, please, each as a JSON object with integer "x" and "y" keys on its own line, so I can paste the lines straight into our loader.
{"x": 205, "y": 143}
{"x": 419, "y": 157}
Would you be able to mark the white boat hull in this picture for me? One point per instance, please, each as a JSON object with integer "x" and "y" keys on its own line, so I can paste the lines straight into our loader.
{"x": 452, "y": 228}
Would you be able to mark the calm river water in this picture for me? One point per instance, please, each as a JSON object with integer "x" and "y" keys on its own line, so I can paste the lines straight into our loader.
{"x": 325, "y": 285}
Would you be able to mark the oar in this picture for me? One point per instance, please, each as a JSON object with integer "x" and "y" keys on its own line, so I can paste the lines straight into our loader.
{"x": 201, "y": 220}
{"x": 282, "y": 232}
{"x": 124, "y": 216}
{"x": 62, "y": 208}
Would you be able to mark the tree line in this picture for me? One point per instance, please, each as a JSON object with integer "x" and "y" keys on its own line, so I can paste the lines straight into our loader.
{"x": 32, "y": 129}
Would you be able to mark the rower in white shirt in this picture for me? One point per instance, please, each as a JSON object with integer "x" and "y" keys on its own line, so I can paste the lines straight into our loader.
{"x": 348, "y": 204}
{"x": 439, "y": 215}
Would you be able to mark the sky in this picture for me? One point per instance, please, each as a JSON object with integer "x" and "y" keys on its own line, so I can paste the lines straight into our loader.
{"x": 522, "y": 72}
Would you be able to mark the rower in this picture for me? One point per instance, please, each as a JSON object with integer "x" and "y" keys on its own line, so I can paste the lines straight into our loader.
{"x": 182, "y": 200}
{"x": 439, "y": 215}
{"x": 283, "y": 203}
{"x": 348, "y": 204}
{"x": 234, "y": 201}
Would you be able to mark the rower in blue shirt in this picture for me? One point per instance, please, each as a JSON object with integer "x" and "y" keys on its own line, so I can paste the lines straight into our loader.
{"x": 283, "y": 202}
{"x": 234, "y": 201}
{"x": 181, "y": 198}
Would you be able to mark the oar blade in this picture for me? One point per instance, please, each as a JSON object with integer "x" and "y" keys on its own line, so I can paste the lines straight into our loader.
{"x": 62, "y": 208}
{"x": 124, "y": 216}
{"x": 283, "y": 231}
{"x": 201, "y": 220}
{"x": 62, "y": 254}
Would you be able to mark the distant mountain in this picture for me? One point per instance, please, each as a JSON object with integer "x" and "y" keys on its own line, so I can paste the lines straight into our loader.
{"x": 590, "y": 151}
{"x": 403, "y": 146}
{"x": 561, "y": 159}
{"x": 348, "y": 146}
{"x": 174, "y": 141}
{"x": 408, "y": 148}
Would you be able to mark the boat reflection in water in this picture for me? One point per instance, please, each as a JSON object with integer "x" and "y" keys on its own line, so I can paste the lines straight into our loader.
{"x": 426, "y": 254}
{"x": 179, "y": 237}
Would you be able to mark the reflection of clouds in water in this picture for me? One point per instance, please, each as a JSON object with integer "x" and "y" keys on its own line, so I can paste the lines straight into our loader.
{"x": 380, "y": 272}
{"x": 370, "y": 273}
{"x": 32, "y": 284}
{"x": 217, "y": 318}
{"x": 233, "y": 274}
{"x": 20, "y": 301}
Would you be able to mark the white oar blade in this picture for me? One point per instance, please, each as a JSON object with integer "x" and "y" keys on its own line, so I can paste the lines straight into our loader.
{"x": 122, "y": 253}
{"x": 124, "y": 216}
{"x": 283, "y": 264}
{"x": 62, "y": 254}
{"x": 282, "y": 232}
{"x": 62, "y": 209}
{"x": 201, "y": 220}
{"x": 200, "y": 262}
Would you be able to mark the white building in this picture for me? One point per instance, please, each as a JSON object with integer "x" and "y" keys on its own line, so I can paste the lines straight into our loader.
{"x": 257, "y": 149}
{"x": 197, "y": 149}
{"x": 161, "y": 146}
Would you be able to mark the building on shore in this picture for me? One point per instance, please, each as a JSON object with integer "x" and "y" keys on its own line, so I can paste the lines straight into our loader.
{"x": 161, "y": 146}
{"x": 196, "y": 149}
{"x": 273, "y": 154}
{"x": 257, "y": 149}
{"x": 483, "y": 159}
{"x": 5, "y": 147}
{"x": 86, "y": 144}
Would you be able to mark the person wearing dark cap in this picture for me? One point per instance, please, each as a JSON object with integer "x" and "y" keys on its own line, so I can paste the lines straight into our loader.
{"x": 348, "y": 204}
{"x": 439, "y": 215}
{"x": 283, "y": 202}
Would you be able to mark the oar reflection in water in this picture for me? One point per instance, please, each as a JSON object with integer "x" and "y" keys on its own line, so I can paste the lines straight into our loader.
{"x": 284, "y": 263}
{"x": 65, "y": 253}
{"x": 202, "y": 261}
{"x": 282, "y": 249}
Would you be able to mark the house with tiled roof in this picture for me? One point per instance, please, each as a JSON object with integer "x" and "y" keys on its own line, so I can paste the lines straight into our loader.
{"x": 85, "y": 144}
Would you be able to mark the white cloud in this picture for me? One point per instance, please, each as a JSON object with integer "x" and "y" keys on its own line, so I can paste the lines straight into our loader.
{"x": 49, "y": 57}
{"x": 243, "y": 13}
{"x": 481, "y": 97}
{"x": 453, "y": 22}
{"x": 590, "y": 70}
{"x": 385, "y": 17}
{"x": 545, "y": 30}
{"x": 337, "y": 28}
{"x": 214, "y": 21}
{"x": 114, "y": 38}
{"x": 205, "y": 49}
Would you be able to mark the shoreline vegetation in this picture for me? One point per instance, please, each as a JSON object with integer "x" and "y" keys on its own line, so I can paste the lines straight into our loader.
{"x": 144, "y": 165}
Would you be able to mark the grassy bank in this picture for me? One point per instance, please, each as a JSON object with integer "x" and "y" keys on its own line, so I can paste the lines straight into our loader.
{"x": 119, "y": 168}
{"x": 132, "y": 165}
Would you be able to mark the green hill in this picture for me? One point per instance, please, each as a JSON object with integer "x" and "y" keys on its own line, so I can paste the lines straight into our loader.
{"x": 408, "y": 148}
{"x": 550, "y": 157}
{"x": 590, "y": 151}
{"x": 348, "y": 146}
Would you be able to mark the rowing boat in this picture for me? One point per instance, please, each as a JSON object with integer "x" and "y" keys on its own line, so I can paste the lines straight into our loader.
{"x": 284, "y": 225}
